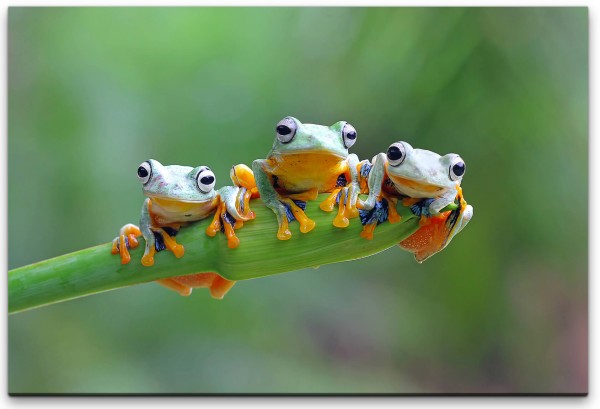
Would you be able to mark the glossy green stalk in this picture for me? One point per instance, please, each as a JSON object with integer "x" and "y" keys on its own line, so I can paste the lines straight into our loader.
{"x": 259, "y": 254}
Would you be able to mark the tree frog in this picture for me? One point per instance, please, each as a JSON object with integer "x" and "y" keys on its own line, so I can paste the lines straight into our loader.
{"x": 178, "y": 195}
{"x": 305, "y": 160}
{"x": 422, "y": 179}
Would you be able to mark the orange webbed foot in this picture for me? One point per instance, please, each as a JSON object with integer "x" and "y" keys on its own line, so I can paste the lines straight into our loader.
{"x": 367, "y": 231}
{"x": 217, "y": 285}
{"x": 306, "y": 224}
{"x": 126, "y": 240}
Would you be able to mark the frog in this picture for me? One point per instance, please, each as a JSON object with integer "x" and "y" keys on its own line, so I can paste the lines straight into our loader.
{"x": 176, "y": 196}
{"x": 305, "y": 160}
{"x": 421, "y": 179}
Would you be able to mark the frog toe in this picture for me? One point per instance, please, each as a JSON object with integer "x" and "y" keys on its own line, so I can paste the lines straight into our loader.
{"x": 241, "y": 175}
{"x": 217, "y": 285}
{"x": 176, "y": 286}
{"x": 294, "y": 209}
{"x": 328, "y": 204}
{"x": 283, "y": 231}
{"x": 164, "y": 238}
{"x": 127, "y": 239}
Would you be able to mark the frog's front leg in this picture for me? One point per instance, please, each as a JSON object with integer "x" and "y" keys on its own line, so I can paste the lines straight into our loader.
{"x": 376, "y": 175}
{"x": 442, "y": 201}
{"x": 285, "y": 209}
{"x": 348, "y": 196}
{"x": 127, "y": 239}
{"x": 151, "y": 232}
{"x": 374, "y": 210}
{"x": 428, "y": 209}
{"x": 231, "y": 212}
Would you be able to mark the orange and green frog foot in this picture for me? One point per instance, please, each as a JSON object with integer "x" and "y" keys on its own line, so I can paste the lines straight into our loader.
{"x": 163, "y": 238}
{"x": 378, "y": 214}
{"x": 289, "y": 208}
{"x": 217, "y": 285}
{"x": 346, "y": 200}
{"x": 232, "y": 210}
{"x": 127, "y": 239}
{"x": 435, "y": 232}
{"x": 242, "y": 176}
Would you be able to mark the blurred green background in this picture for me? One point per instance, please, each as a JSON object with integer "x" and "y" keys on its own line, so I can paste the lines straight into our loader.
{"x": 93, "y": 92}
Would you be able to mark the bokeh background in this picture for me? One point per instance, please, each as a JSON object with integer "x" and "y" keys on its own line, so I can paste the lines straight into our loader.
{"x": 93, "y": 92}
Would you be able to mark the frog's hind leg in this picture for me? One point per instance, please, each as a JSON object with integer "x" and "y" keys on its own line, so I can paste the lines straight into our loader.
{"x": 371, "y": 218}
{"x": 126, "y": 240}
{"x": 217, "y": 285}
{"x": 367, "y": 231}
{"x": 174, "y": 285}
{"x": 393, "y": 216}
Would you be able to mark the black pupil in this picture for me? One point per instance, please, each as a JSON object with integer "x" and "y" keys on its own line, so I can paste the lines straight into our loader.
{"x": 142, "y": 172}
{"x": 283, "y": 130}
{"x": 394, "y": 153}
{"x": 207, "y": 180}
{"x": 458, "y": 169}
{"x": 351, "y": 135}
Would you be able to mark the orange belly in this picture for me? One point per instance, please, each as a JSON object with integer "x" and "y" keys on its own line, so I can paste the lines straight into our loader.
{"x": 301, "y": 172}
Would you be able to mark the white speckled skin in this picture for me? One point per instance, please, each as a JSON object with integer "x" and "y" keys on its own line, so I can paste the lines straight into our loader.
{"x": 176, "y": 196}
{"x": 427, "y": 169}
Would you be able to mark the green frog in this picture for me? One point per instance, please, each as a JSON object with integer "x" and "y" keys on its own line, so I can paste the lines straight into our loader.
{"x": 305, "y": 160}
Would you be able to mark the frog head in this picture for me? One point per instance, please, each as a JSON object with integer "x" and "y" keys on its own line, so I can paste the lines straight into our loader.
{"x": 294, "y": 137}
{"x": 421, "y": 173}
{"x": 173, "y": 186}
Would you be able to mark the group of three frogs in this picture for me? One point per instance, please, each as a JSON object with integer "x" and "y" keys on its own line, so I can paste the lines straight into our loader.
{"x": 305, "y": 160}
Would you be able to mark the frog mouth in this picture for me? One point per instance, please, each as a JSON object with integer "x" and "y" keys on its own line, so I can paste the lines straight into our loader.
{"x": 308, "y": 152}
{"x": 409, "y": 186}
{"x": 177, "y": 205}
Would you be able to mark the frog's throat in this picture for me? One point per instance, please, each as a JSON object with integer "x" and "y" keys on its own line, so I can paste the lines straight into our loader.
{"x": 410, "y": 186}
{"x": 172, "y": 205}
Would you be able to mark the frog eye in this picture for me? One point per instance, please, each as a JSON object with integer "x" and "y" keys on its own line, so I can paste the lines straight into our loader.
{"x": 396, "y": 153}
{"x": 144, "y": 172}
{"x": 205, "y": 180}
{"x": 457, "y": 169}
{"x": 286, "y": 129}
{"x": 349, "y": 135}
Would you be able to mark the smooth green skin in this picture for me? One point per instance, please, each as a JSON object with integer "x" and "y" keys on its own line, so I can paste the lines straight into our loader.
{"x": 422, "y": 166}
{"x": 260, "y": 254}
{"x": 309, "y": 139}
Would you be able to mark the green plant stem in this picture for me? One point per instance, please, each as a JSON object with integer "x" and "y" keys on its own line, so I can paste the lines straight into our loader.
{"x": 259, "y": 254}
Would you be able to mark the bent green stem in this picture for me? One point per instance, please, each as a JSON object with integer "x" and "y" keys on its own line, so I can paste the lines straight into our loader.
{"x": 259, "y": 254}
